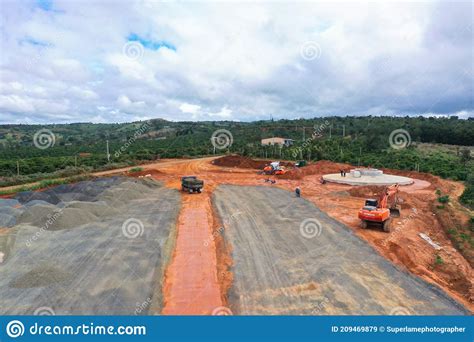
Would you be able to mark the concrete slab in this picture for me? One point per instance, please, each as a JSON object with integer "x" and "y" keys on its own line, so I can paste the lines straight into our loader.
{"x": 383, "y": 179}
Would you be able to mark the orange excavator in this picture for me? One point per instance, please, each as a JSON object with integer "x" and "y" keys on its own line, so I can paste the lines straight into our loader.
{"x": 274, "y": 168}
{"x": 380, "y": 211}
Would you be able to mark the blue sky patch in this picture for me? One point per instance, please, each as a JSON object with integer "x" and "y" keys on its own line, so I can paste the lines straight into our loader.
{"x": 151, "y": 44}
{"x": 46, "y": 5}
{"x": 34, "y": 42}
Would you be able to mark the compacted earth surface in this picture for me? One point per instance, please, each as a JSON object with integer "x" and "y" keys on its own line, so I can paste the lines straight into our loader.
{"x": 290, "y": 258}
{"x": 245, "y": 245}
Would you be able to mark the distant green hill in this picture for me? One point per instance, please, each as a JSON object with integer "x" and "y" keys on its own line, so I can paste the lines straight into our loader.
{"x": 356, "y": 140}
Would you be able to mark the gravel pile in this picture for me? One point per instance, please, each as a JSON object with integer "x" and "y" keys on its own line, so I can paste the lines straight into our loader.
{"x": 95, "y": 247}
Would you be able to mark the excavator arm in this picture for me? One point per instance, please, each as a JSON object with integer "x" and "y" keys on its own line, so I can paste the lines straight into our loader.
{"x": 389, "y": 199}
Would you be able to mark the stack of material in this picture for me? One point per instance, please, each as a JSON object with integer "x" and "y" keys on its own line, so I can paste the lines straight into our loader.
{"x": 95, "y": 247}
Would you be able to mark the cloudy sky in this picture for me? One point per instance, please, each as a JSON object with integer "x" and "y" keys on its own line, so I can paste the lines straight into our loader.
{"x": 115, "y": 61}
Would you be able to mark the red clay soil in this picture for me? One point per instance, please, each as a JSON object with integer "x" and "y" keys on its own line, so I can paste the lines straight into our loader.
{"x": 245, "y": 162}
{"x": 320, "y": 167}
{"x": 239, "y": 162}
{"x": 366, "y": 191}
{"x": 191, "y": 285}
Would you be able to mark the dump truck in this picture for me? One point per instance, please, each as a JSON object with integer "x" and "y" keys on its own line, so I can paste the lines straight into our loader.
{"x": 191, "y": 184}
{"x": 380, "y": 211}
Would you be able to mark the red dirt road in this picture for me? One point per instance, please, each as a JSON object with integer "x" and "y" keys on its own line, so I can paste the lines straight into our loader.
{"x": 191, "y": 285}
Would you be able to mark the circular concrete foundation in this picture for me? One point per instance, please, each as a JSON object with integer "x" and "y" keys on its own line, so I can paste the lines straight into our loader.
{"x": 367, "y": 177}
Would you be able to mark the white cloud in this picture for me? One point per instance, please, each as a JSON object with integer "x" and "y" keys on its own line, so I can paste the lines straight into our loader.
{"x": 16, "y": 104}
{"x": 123, "y": 101}
{"x": 224, "y": 113}
{"x": 239, "y": 61}
{"x": 189, "y": 108}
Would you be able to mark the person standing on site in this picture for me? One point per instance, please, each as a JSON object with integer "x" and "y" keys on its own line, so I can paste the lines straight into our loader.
{"x": 342, "y": 172}
{"x": 298, "y": 191}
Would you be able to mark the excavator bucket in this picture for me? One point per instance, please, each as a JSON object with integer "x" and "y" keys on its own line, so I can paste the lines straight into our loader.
{"x": 395, "y": 212}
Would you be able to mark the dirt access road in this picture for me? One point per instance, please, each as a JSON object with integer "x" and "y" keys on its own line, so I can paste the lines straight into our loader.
{"x": 191, "y": 284}
{"x": 290, "y": 258}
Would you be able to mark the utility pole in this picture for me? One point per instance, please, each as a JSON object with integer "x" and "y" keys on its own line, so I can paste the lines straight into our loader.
{"x": 108, "y": 154}
{"x": 343, "y": 130}
{"x": 304, "y": 131}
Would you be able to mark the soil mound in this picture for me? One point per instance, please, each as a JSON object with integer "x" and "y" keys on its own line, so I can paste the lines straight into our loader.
{"x": 27, "y": 196}
{"x": 99, "y": 208}
{"x": 245, "y": 162}
{"x": 240, "y": 162}
{"x": 37, "y": 214}
{"x": 367, "y": 191}
{"x": 320, "y": 167}
{"x": 69, "y": 218}
{"x": 51, "y": 218}
{"x": 39, "y": 277}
